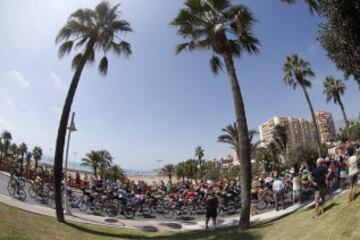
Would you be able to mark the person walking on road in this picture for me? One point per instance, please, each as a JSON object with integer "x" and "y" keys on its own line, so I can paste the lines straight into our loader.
{"x": 211, "y": 209}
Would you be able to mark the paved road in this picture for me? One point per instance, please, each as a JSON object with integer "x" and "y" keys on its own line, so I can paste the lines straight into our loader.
{"x": 3, "y": 190}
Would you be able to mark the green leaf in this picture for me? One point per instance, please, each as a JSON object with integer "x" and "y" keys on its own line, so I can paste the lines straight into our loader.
{"x": 65, "y": 48}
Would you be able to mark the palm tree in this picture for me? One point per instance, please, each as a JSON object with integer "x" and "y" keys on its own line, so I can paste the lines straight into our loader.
{"x": 230, "y": 137}
{"x": 93, "y": 160}
{"x": 116, "y": 173}
{"x": 28, "y": 161}
{"x": 191, "y": 169}
{"x": 313, "y": 4}
{"x": 280, "y": 138}
{"x": 106, "y": 161}
{"x": 168, "y": 170}
{"x": 199, "y": 153}
{"x": 298, "y": 72}
{"x": 6, "y": 136}
{"x": 91, "y": 30}
{"x": 14, "y": 149}
{"x": 334, "y": 89}
{"x": 180, "y": 171}
{"x": 22, "y": 152}
{"x": 37, "y": 154}
{"x": 226, "y": 30}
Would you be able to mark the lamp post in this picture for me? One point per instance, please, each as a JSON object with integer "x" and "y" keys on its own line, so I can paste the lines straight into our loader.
{"x": 159, "y": 161}
{"x": 71, "y": 129}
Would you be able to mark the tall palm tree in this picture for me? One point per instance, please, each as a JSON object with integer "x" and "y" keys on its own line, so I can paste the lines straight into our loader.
{"x": 22, "y": 151}
{"x": 226, "y": 30}
{"x": 168, "y": 170}
{"x": 199, "y": 153}
{"x": 92, "y": 160}
{"x": 7, "y": 137}
{"x": 37, "y": 154}
{"x": 90, "y": 30}
{"x": 313, "y": 4}
{"x": 297, "y": 72}
{"x": 334, "y": 90}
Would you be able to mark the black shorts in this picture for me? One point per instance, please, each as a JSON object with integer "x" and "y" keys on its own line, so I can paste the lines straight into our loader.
{"x": 211, "y": 215}
{"x": 353, "y": 179}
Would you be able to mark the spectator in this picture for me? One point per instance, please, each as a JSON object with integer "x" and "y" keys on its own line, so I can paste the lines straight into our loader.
{"x": 211, "y": 209}
{"x": 353, "y": 172}
{"x": 296, "y": 187}
{"x": 254, "y": 197}
{"x": 278, "y": 187}
{"x": 318, "y": 179}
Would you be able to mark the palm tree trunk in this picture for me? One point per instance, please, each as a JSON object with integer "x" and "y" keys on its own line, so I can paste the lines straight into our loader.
{"x": 317, "y": 134}
{"x": 347, "y": 123}
{"x": 60, "y": 141}
{"x": 244, "y": 145}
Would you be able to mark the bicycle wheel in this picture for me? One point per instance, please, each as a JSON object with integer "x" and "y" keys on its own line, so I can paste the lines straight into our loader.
{"x": 112, "y": 210}
{"x": 32, "y": 191}
{"x": 83, "y": 205}
{"x": 168, "y": 212}
{"x": 230, "y": 209}
{"x": 129, "y": 212}
{"x": 21, "y": 195}
{"x": 11, "y": 189}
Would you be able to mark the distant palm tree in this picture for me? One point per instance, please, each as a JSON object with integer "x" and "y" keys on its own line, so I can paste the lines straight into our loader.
{"x": 230, "y": 137}
{"x": 6, "y": 136}
{"x": 14, "y": 150}
{"x": 37, "y": 154}
{"x": 91, "y": 30}
{"x": 225, "y": 30}
{"x": 191, "y": 169}
{"x": 313, "y": 4}
{"x": 297, "y": 72}
{"x": 334, "y": 89}
{"x": 106, "y": 161}
{"x": 93, "y": 160}
{"x": 28, "y": 161}
{"x": 22, "y": 151}
{"x": 116, "y": 173}
{"x": 180, "y": 171}
{"x": 168, "y": 170}
{"x": 199, "y": 153}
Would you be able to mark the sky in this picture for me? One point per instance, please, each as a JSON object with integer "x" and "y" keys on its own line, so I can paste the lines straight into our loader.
{"x": 153, "y": 105}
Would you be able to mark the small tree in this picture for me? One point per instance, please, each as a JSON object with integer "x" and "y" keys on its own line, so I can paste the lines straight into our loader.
{"x": 168, "y": 170}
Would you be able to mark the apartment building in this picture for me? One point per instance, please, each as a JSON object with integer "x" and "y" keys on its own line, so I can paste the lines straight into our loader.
{"x": 326, "y": 126}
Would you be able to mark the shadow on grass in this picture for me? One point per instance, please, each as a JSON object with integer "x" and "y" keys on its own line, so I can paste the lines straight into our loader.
{"x": 220, "y": 234}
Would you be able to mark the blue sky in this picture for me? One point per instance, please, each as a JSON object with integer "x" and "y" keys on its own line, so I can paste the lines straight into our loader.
{"x": 154, "y": 105}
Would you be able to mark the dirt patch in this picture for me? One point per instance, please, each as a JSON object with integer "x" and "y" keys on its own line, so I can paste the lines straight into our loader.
{"x": 3, "y": 209}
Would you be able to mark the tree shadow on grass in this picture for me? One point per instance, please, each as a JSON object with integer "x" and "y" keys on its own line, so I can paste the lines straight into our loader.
{"x": 220, "y": 234}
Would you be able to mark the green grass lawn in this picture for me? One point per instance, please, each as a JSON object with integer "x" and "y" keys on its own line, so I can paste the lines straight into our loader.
{"x": 341, "y": 221}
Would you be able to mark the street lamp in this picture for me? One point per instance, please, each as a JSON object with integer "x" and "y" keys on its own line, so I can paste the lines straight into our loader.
{"x": 159, "y": 161}
{"x": 70, "y": 129}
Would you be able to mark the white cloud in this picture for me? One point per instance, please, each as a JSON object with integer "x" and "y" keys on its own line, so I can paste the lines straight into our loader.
{"x": 57, "y": 82}
{"x": 19, "y": 78}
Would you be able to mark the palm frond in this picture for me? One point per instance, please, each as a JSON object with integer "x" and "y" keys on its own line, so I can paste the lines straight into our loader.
{"x": 103, "y": 65}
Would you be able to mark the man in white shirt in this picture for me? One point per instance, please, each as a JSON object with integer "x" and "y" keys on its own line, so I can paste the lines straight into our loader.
{"x": 352, "y": 163}
{"x": 278, "y": 187}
